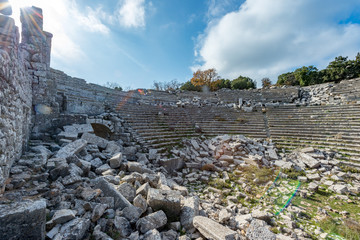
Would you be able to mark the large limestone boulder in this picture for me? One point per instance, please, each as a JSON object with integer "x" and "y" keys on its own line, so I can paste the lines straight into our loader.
{"x": 166, "y": 200}
{"x": 21, "y": 219}
{"x": 213, "y": 230}
{"x": 151, "y": 221}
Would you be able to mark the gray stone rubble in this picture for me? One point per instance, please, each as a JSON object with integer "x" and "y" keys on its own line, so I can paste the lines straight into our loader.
{"x": 137, "y": 199}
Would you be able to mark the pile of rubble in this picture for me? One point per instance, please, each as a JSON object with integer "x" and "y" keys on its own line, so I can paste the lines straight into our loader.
{"x": 92, "y": 188}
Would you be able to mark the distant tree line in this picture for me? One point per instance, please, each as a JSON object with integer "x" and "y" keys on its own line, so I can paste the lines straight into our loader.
{"x": 341, "y": 68}
{"x": 113, "y": 85}
{"x": 211, "y": 80}
{"x": 167, "y": 86}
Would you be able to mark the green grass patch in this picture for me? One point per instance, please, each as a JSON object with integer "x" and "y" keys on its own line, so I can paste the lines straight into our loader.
{"x": 219, "y": 184}
{"x": 292, "y": 173}
{"x": 263, "y": 175}
{"x": 348, "y": 229}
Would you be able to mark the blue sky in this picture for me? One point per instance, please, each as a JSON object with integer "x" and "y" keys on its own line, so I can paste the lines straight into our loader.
{"x": 137, "y": 42}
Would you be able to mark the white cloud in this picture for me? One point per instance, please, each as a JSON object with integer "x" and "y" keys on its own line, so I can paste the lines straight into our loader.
{"x": 68, "y": 25}
{"x": 217, "y": 8}
{"x": 266, "y": 38}
{"x": 92, "y": 20}
{"x": 131, "y": 13}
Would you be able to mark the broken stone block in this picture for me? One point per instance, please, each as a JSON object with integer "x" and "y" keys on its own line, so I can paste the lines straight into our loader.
{"x": 166, "y": 200}
{"x": 63, "y": 216}
{"x": 338, "y": 188}
{"x": 259, "y": 230}
{"x": 141, "y": 203}
{"x": 224, "y": 215}
{"x": 74, "y": 229}
{"x": 93, "y": 139}
{"x": 151, "y": 221}
{"x": 62, "y": 169}
{"x": 67, "y": 135}
{"x": 88, "y": 194}
{"x": 98, "y": 211}
{"x": 152, "y": 179}
{"x": 283, "y": 164}
{"x": 54, "y": 162}
{"x": 21, "y": 219}
{"x": 112, "y": 148}
{"x": 96, "y": 162}
{"x": 143, "y": 189}
{"x": 79, "y": 128}
{"x": 183, "y": 190}
{"x": 138, "y": 167}
{"x": 195, "y": 144}
{"x": 102, "y": 169}
{"x": 127, "y": 191}
{"x": 308, "y": 160}
{"x": 152, "y": 154}
{"x": 84, "y": 165}
{"x": 71, "y": 149}
{"x": 142, "y": 159}
{"x": 314, "y": 176}
{"x": 307, "y": 150}
{"x": 169, "y": 235}
{"x": 262, "y": 215}
{"x": 131, "y": 213}
{"x": 242, "y": 221}
{"x": 172, "y": 164}
{"x": 313, "y": 187}
{"x": 71, "y": 179}
{"x": 189, "y": 211}
{"x": 152, "y": 235}
{"x": 122, "y": 225}
{"x": 98, "y": 234}
{"x": 115, "y": 161}
{"x": 110, "y": 191}
{"x": 272, "y": 154}
{"x": 227, "y": 158}
{"x": 213, "y": 230}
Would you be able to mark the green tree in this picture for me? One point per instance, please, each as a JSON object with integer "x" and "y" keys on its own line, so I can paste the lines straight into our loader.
{"x": 287, "y": 79}
{"x": 224, "y": 83}
{"x": 266, "y": 82}
{"x": 337, "y": 70}
{"x": 188, "y": 86}
{"x": 243, "y": 83}
{"x": 307, "y": 76}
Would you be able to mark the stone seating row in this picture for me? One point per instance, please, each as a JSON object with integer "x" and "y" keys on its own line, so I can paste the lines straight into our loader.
{"x": 334, "y": 127}
{"x": 175, "y": 123}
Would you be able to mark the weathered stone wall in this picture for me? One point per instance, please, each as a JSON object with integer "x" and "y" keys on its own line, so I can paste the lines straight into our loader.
{"x": 74, "y": 95}
{"x": 15, "y": 98}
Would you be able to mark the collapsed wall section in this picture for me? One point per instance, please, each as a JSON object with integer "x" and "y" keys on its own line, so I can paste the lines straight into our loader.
{"x": 15, "y": 98}
{"x": 74, "y": 95}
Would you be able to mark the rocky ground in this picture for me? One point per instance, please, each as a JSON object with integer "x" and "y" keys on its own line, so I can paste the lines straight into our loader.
{"x": 228, "y": 187}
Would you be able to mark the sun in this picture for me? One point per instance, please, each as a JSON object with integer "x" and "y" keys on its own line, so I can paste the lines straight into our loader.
{"x": 17, "y": 4}
{"x": 21, "y": 3}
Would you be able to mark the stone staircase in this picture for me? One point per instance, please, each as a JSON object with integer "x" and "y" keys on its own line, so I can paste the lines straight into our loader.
{"x": 335, "y": 127}
{"x": 161, "y": 127}
{"x": 332, "y": 127}
{"x": 348, "y": 88}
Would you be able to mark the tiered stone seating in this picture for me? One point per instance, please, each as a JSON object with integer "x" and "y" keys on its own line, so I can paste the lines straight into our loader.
{"x": 334, "y": 127}
{"x": 164, "y": 126}
{"x": 348, "y": 88}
